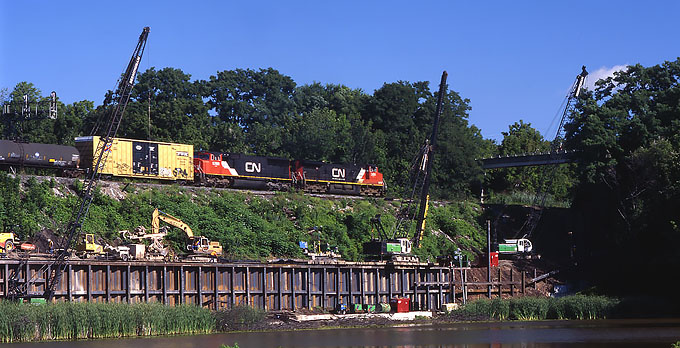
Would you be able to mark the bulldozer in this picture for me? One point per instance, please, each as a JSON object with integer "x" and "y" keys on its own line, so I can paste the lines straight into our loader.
{"x": 89, "y": 248}
{"x": 8, "y": 242}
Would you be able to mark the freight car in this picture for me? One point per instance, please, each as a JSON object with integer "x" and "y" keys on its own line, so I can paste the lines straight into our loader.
{"x": 62, "y": 157}
{"x": 178, "y": 163}
{"x": 237, "y": 170}
{"x": 141, "y": 159}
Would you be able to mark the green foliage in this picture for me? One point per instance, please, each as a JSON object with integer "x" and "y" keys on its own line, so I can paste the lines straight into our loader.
{"x": 264, "y": 112}
{"x": 520, "y": 185}
{"x": 247, "y": 226}
{"x": 579, "y": 307}
{"x": 239, "y": 318}
{"x": 626, "y": 132}
{"x": 73, "y": 320}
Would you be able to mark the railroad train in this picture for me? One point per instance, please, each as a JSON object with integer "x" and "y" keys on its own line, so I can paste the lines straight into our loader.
{"x": 172, "y": 162}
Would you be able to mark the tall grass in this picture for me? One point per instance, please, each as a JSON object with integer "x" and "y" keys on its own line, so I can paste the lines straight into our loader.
{"x": 540, "y": 308}
{"x": 70, "y": 321}
{"x": 238, "y": 318}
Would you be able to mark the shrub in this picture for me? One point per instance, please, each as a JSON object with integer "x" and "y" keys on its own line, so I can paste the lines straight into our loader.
{"x": 529, "y": 308}
{"x": 578, "y": 307}
{"x": 239, "y": 318}
{"x": 72, "y": 320}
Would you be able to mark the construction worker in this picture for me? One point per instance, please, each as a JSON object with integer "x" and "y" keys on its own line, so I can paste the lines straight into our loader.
{"x": 50, "y": 246}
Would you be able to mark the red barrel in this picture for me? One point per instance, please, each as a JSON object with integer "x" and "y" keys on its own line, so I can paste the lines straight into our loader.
{"x": 400, "y": 305}
{"x": 493, "y": 259}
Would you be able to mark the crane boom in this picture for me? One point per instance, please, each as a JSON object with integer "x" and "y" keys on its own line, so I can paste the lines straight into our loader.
{"x": 429, "y": 158}
{"x": 112, "y": 123}
{"x": 542, "y": 194}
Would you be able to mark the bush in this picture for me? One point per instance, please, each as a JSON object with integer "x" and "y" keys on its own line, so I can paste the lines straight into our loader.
{"x": 578, "y": 307}
{"x": 529, "y": 308}
{"x": 239, "y": 318}
{"x": 73, "y": 320}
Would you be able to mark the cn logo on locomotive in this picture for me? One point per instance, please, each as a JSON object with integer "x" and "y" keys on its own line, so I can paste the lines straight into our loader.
{"x": 338, "y": 173}
{"x": 252, "y": 167}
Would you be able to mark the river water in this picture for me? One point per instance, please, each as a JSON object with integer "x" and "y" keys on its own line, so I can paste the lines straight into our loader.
{"x": 543, "y": 334}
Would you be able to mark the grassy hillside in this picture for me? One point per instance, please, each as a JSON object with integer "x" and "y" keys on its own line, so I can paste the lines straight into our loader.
{"x": 249, "y": 225}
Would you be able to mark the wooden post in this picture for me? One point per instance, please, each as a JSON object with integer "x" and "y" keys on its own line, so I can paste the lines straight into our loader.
{"x": 362, "y": 286}
{"x": 181, "y": 284}
{"x": 89, "y": 283}
{"x": 500, "y": 283}
{"x": 69, "y": 281}
{"x": 264, "y": 288}
{"x": 246, "y": 284}
{"x": 108, "y": 283}
{"x": 535, "y": 278}
{"x": 349, "y": 287}
{"x": 338, "y": 297}
{"x": 6, "y": 278}
{"x": 377, "y": 286}
{"x": 512, "y": 285}
{"x": 128, "y": 278}
{"x": 465, "y": 288}
{"x": 524, "y": 284}
{"x": 233, "y": 286}
{"x": 216, "y": 299}
{"x": 452, "y": 287}
{"x": 488, "y": 257}
{"x": 441, "y": 288}
{"x": 280, "y": 307}
{"x": 199, "y": 285}
{"x": 309, "y": 288}
{"x": 323, "y": 285}
{"x": 146, "y": 283}
{"x": 292, "y": 288}
{"x": 165, "y": 285}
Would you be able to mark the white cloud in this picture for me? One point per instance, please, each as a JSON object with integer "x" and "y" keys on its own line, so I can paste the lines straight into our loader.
{"x": 602, "y": 73}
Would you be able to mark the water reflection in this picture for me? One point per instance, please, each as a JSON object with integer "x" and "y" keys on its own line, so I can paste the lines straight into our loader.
{"x": 549, "y": 334}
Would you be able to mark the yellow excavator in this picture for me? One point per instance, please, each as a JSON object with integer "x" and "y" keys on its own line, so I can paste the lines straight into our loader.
{"x": 197, "y": 244}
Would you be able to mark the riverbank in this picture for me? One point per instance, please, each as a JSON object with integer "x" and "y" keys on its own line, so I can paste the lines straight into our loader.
{"x": 74, "y": 321}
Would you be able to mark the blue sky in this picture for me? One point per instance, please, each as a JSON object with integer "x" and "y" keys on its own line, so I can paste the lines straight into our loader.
{"x": 513, "y": 59}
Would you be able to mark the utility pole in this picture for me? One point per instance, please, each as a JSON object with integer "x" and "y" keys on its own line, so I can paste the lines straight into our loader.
{"x": 488, "y": 256}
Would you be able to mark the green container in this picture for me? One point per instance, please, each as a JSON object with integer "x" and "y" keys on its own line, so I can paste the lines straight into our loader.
{"x": 34, "y": 301}
{"x": 393, "y": 247}
{"x": 357, "y": 308}
{"x": 384, "y": 308}
{"x": 370, "y": 308}
{"x": 507, "y": 248}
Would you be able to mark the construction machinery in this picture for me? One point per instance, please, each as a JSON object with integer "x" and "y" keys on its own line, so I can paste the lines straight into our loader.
{"x": 515, "y": 246}
{"x": 398, "y": 245}
{"x": 196, "y": 244}
{"x": 542, "y": 192}
{"x": 88, "y": 247}
{"x": 8, "y": 242}
{"x": 109, "y": 125}
{"x": 156, "y": 249}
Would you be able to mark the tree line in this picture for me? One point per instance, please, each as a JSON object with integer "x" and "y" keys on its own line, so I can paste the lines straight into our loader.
{"x": 625, "y": 185}
{"x": 264, "y": 112}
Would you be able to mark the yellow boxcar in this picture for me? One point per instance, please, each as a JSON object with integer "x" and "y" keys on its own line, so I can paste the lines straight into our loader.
{"x": 141, "y": 158}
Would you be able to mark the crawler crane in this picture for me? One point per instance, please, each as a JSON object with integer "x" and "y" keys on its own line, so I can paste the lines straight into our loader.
{"x": 53, "y": 271}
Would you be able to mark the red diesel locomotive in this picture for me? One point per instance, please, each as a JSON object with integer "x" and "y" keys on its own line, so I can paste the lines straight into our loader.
{"x": 275, "y": 173}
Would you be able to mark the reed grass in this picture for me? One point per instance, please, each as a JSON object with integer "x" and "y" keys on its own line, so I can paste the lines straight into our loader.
{"x": 578, "y": 307}
{"x": 70, "y": 321}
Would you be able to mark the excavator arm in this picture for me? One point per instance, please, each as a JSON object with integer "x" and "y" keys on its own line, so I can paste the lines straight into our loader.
{"x": 159, "y": 215}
